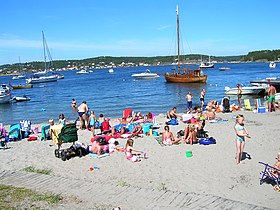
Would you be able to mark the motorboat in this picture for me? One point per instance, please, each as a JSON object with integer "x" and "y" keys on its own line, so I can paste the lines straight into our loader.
{"x": 272, "y": 65}
{"x": 20, "y": 76}
{"x": 21, "y": 99}
{"x": 60, "y": 76}
{"x": 5, "y": 94}
{"x": 40, "y": 72}
{"x": 83, "y": 71}
{"x": 111, "y": 70}
{"x": 145, "y": 75}
{"x": 224, "y": 68}
{"x": 249, "y": 90}
{"x": 266, "y": 81}
{"x": 41, "y": 79}
{"x": 277, "y": 97}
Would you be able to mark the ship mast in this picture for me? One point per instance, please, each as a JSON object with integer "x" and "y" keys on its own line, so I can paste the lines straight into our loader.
{"x": 178, "y": 38}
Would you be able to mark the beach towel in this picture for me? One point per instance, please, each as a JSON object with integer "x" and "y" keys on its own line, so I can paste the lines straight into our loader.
{"x": 217, "y": 121}
{"x": 45, "y": 132}
{"x": 172, "y": 122}
{"x": 98, "y": 156}
{"x": 146, "y": 127}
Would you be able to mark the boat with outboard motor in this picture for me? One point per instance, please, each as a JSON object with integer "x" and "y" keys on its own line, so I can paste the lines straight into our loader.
{"x": 5, "y": 94}
{"x": 21, "y": 98}
{"x": 145, "y": 75}
{"x": 249, "y": 90}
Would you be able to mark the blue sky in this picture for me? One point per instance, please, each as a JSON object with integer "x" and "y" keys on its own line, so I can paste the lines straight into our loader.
{"x": 77, "y": 29}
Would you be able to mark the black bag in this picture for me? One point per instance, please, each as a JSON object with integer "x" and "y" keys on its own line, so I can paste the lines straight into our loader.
{"x": 101, "y": 140}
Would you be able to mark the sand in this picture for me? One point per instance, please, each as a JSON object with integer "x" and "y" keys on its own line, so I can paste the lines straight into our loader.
{"x": 211, "y": 170}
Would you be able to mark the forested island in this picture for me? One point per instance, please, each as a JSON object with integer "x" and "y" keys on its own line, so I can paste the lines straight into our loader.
{"x": 113, "y": 62}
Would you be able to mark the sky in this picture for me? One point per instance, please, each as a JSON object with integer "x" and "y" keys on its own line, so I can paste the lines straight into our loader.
{"x": 78, "y": 29}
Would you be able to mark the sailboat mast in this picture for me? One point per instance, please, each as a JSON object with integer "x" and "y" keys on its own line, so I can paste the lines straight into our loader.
{"x": 178, "y": 38}
{"x": 44, "y": 51}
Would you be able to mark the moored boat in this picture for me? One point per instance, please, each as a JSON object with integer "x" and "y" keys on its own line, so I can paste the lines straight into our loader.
{"x": 20, "y": 86}
{"x": 272, "y": 65}
{"x": 5, "y": 94}
{"x": 21, "y": 98}
{"x": 111, "y": 70}
{"x": 42, "y": 79}
{"x": 206, "y": 65}
{"x": 254, "y": 90}
{"x": 83, "y": 71}
{"x": 224, "y": 68}
{"x": 188, "y": 76}
{"x": 145, "y": 75}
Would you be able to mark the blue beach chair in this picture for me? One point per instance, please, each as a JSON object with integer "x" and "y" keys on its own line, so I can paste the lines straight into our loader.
{"x": 268, "y": 174}
{"x": 45, "y": 132}
{"x": 15, "y": 132}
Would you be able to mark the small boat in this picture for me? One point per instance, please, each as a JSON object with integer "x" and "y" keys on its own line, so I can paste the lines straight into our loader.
{"x": 254, "y": 90}
{"x": 111, "y": 70}
{"x": 266, "y": 81}
{"x": 20, "y": 99}
{"x": 224, "y": 68}
{"x": 277, "y": 97}
{"x": 272, "y": 65}
{"x": 5, "y": 94}
{"x": 20, "y": 86}
{"x": 187, "y": 76}
{"x": 145, "y": 75}
{"x": 60, "y": 76}
{"x": 83, "y": 71}
{"x": 40, "y": 72}
{"x": 20, "y": 76}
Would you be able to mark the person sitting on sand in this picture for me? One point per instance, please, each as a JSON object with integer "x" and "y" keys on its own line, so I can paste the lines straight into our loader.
{"x": 190, "y": 134}
{"x": 128, "y": 151}
{"x": 173, "y": 114}
{"x": 213, "y": 104}
{"x": 62, "y": 120}
{"x": 277, "y": 166}
{"x": 210, "y": 114}
{"x": 119, "y": 127}
{"x": 168, "y": 138}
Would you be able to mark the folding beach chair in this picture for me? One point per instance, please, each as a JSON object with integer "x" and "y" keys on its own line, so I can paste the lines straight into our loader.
{"x": 45, "y": 132}
{"x": 269, "y": 174}
{"x": 247, "y": 104}
{"x": 127, "y": 113}
{"x": 15, "y": 132}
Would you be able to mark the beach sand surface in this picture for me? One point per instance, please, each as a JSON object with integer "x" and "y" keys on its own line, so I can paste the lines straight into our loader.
{"x": 210, "y": 171}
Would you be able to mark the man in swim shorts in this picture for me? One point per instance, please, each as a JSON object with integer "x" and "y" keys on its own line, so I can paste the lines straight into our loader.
{"x": 271, "y": 100}
{"x": 82, "y": 112}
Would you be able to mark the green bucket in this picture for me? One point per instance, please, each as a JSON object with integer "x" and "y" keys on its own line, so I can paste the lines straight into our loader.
{"x": 189, "y": 153}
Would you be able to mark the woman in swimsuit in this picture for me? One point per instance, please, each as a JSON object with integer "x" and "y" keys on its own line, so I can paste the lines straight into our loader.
{"x": 241, "y": 132}
{"x": 128, "y": 151}
{"x": 168, "y": 138}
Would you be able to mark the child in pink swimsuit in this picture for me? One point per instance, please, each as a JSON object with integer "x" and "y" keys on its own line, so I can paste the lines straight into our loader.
{"x": 128, "y": 151}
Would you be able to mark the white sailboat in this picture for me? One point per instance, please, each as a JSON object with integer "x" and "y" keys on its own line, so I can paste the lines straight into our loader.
{"x": 44, "y": 77}
{"x": 206, "y": 64}
{"x": 20, "y": 75}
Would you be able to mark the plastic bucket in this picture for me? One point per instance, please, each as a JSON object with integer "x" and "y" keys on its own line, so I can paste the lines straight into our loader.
{"x": 189, "y": 154}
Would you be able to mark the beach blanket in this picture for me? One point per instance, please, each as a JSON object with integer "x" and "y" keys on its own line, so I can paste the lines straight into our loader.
{"x": 100, "y": 156}
{"x": 217, "y": 121}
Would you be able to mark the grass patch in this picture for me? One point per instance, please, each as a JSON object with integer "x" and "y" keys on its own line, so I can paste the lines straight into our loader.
{"x": 123, "y": 184}
{"x": 14, "y": 198}
{"x": 162, "y": 187}
{"x": 39, "y": 171}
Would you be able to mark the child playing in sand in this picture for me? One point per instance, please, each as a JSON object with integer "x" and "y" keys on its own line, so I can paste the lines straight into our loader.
{"x": 92, "y": 121}
{"x": 128, "y": 151}
{"x": 241, "y": 132}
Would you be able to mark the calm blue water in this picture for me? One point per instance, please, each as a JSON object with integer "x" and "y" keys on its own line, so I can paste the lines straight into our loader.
{"x": 111, "y": 93}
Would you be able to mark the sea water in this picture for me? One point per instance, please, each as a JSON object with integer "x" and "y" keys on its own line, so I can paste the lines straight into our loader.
{"x": 110, "y": 93}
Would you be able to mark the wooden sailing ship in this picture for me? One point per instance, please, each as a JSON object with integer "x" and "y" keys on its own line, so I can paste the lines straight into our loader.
{"x": 185, "y": 75}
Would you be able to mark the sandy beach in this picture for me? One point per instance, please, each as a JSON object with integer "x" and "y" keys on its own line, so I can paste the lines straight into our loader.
{"x": 211, "y": 171}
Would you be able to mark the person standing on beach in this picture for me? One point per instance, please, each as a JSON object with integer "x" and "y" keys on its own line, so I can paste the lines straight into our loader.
{"x": 82, "y": 112}
{"x": 202, "y": 94}
{"x": 271, "y": 100}
{"x": 241, "y": 132}
{"x": 189, "y": 101}
{"x": 239, "y": 95}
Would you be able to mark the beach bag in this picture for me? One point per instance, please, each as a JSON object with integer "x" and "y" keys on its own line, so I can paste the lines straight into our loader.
{"x": 172, "y": 122}
{"x": 102, "y": 140}
{"x": 15, "y": 132}
{"x": 68, "y": 133}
